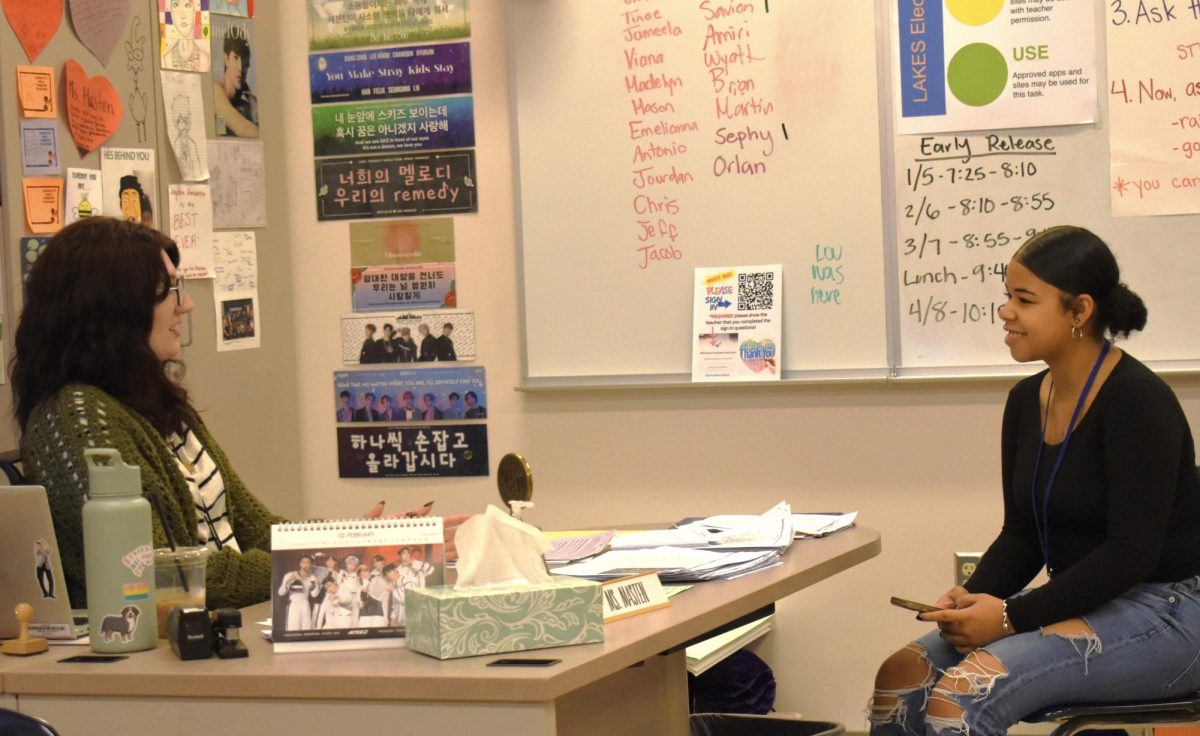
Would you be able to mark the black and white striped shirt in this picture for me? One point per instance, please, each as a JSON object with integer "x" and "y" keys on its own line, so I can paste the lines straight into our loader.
{"x": 208, "y": 491}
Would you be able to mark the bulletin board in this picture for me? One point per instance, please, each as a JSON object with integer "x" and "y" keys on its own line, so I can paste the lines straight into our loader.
{"x": 128, "y": 73}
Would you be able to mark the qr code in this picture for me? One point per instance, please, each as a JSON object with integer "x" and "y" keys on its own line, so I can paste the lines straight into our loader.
{"x": 756, "y": 291}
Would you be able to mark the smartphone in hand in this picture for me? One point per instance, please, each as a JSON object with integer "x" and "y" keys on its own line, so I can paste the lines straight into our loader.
{"x": 913, "y": 605}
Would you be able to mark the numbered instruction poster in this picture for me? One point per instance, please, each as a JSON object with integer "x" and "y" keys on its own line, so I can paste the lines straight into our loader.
{"x": 736, "y": 328}
{"x": 1154, "y": 128}
{"x": 987, "y": 64}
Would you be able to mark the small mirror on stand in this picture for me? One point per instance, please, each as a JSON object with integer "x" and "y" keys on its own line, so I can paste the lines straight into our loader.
{"x": 515, "y": 480}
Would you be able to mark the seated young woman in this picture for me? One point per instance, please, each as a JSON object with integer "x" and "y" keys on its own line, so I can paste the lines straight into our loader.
{"x": 1100, "y": 488}
{"x": 97, "y": 364}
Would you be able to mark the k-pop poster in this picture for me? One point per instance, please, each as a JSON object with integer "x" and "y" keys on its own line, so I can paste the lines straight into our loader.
{"x": 335, "y": 24}
{"x": 443, "y": 335}
{"x": 405, "y": 451}
{"x": 396, "y": 185}
{"x": 410, "y": 395}
{"x": 393, "y": 125}
{"x": 384, "y": 288}
{"x": 409, "y": 242}
{"x": 235, "y": 102}
{"x": 400, "y": 71}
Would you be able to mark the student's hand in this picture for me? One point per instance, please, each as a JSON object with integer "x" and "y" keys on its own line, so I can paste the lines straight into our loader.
{"x": 976, "y": 622}
{"x": 951, "y": 597}
{"x": 376, "y": 511}
{"x": 450, "y": 525}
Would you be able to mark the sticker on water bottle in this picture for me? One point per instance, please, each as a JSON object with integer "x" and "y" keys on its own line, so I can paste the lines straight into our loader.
{"x": 139, "y": 559}
{"x": 136, "y": 591}
{"x": 121, "y": 625}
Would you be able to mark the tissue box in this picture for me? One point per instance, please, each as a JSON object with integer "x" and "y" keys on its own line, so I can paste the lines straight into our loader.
{"x": 447, "y": 623}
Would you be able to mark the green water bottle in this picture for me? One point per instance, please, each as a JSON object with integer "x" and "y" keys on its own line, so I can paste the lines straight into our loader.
{"x": 118, "y": 552}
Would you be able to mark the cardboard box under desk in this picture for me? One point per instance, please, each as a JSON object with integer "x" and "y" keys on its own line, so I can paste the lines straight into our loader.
{"x": 447, "y": 623}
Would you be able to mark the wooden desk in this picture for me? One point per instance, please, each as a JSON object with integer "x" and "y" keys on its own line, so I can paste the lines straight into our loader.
{"x": 8, "y": 700}
{"x": 621, "y": 686}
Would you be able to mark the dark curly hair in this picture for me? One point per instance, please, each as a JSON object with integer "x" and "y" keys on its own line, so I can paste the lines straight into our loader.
{"x": 88, "y": 313}
{"x": 1076, "y": 261}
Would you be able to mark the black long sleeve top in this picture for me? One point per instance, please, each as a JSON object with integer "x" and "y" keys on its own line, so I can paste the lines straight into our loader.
{"x": 1124, "y": 508}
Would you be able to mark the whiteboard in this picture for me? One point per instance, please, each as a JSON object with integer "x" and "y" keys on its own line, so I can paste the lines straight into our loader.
{"x": 592, "y": 312}
{"x": 949, "y": 268}
{"x": 633, "y": 174}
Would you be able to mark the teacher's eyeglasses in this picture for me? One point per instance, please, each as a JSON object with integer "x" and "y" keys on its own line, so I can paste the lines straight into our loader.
{"x": 177, "y": 287}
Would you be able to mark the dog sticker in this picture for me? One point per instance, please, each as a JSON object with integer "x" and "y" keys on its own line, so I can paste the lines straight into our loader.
{"x": 120, "y": 625}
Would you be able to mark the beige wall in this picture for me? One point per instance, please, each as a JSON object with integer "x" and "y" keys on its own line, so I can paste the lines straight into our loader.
{"x": 249, "y": 397}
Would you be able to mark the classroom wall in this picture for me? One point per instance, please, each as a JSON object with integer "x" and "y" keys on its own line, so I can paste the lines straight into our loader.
{"x": 919, "y": 461}
{"x": 248, "y": 398}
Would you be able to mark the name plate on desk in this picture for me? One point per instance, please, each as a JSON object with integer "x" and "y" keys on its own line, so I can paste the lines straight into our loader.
{"x": 629, "y": 596}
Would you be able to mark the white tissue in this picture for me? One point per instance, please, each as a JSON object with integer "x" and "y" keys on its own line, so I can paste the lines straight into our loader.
{"x": 496, "y": 549}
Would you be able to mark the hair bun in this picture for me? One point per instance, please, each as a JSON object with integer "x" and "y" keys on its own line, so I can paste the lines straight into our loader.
{"x": 1125, "y": 310}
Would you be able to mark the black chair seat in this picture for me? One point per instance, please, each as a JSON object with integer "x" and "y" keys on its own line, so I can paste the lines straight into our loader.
{"x": 10, "y": 465}
{"x": 1078, "y": 717}
{"x": 13, "y": 723}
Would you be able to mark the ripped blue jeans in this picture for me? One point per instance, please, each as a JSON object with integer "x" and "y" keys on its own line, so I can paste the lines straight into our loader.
{"x": 1143, "y": 645}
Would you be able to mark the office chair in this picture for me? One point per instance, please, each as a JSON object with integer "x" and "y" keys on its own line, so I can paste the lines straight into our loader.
{"x": 10, "y": 461}
{"x": 1075, "y": 718}
{"x": 13, "y": 723}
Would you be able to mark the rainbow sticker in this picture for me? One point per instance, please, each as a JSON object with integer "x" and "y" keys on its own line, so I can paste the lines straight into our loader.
{"x": 136, "y": 591}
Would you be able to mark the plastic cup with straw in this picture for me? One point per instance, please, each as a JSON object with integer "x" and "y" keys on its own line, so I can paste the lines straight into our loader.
{"x": 180, "y": 584}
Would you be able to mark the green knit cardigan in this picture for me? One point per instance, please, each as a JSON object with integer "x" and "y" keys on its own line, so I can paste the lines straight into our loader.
{"x": 80, "y": 417}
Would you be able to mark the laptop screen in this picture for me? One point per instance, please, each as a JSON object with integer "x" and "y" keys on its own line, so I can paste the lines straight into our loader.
{"x": 32, "y": 573}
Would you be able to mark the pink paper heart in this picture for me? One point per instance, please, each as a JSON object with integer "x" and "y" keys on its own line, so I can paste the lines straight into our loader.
{"x": 93, "y": 107}
{"x": 100, "y": 24}
{"x": 34, "y": 21}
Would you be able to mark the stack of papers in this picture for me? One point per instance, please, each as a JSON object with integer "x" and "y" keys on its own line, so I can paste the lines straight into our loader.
{"x": 771, "y": 530}
{"x": 709, "y": 652}
{"x": 716, "y": 548}
{"x": 818, "y": 525}
{"x": 569, "y": 549}
{"x": 674, "y": 564}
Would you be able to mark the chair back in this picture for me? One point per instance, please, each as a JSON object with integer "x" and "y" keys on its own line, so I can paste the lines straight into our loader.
{"x": 10, "y": 465}
{"x": 13, "y": 723}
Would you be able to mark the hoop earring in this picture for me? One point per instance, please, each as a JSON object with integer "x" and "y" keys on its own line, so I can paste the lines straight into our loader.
{"x": 1076, "y": 332}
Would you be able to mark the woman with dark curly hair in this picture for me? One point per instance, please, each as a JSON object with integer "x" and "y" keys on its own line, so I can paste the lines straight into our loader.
{"x": 97, "y": 364}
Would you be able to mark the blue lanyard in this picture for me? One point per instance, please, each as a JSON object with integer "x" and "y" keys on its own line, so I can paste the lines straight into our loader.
{"x": 1043, "y": 528}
